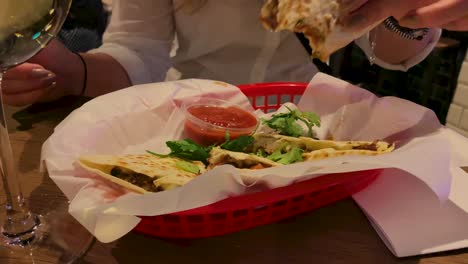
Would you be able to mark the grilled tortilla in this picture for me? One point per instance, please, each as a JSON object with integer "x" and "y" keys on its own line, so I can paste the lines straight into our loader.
{"x": 239, "y": 160}
{"x": 319, "y": 20}
{"x": 318, "y": 149}
{"x": 141, "y": 173}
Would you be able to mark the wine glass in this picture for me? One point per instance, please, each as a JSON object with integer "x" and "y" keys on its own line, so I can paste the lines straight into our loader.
{"x": 26, "y": 27}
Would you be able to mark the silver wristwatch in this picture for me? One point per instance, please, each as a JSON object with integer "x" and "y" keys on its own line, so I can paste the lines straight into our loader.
{"x": 408, "y": 33}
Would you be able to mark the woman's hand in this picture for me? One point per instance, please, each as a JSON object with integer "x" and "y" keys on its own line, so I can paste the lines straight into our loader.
{"x": 51, "y": 74}
{"x": 447, "y": 14}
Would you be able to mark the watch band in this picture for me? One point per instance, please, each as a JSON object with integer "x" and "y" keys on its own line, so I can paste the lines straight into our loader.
{"x": 408, "y": 33}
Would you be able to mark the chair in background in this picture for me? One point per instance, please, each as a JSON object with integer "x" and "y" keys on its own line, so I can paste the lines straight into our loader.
{"x": 85, "y": 25}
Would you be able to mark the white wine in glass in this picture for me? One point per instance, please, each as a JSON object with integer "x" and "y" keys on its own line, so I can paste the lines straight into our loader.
{"x": 26, "y": 27}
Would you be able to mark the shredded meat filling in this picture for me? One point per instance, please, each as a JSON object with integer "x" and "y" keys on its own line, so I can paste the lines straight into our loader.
{"x": 137, "y": 179}
{"x": 372, "y": 147}
{"x": 241, "y": 164}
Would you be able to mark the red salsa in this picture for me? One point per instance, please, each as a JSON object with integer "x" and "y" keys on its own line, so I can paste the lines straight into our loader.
{"x": 230, "y": 117}
{"x": 209, "y": 124}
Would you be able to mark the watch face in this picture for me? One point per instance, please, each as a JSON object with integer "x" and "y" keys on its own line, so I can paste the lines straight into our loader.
{"x": 414, "y": 34}
{"x": 420, "y": 33}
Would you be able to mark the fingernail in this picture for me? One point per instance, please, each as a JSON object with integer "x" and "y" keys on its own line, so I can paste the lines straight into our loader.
{"x": 41, "y": 73}
{"x": 410, "y": 21}
{"x": 51, "y": 86}
{"x": 49, "y": 80}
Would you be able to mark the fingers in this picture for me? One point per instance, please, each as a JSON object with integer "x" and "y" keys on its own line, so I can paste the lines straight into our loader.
{"x": 374, "y": 11}
{"x": 435, "y": 15}
{"x": 27, "y": 77}
{"x": 26, "y": 98}
{"x": 35, "y": 81}
{"x": 26, "y": 71}
{"x": 26, "y": 84}
{"x": 458, "y": 25}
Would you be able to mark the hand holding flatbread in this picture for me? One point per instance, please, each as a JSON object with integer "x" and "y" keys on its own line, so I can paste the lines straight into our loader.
{"x": 330, "y": 25}
{"x": 321, "y": 21}
{"x": 446, "y": 14}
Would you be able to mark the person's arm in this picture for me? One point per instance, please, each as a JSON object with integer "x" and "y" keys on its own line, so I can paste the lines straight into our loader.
{"x": 394, "y": 49}
{"x": 135, "y": 50}
{"x": 395, "y": 53}
{"x": 104, "y": 75}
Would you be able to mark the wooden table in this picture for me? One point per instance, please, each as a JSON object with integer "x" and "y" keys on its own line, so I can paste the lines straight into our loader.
{"x": 339, "y": 233}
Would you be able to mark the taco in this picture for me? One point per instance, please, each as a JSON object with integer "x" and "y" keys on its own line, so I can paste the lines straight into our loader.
{"x": 314, "y": 149}
{"x": 143, "y": 173}
{"x": 321, "y": 21}
{"x": 239, "y": 160}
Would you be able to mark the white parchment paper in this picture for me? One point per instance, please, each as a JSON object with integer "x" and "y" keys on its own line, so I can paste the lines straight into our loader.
{"x": 144, "y": 117}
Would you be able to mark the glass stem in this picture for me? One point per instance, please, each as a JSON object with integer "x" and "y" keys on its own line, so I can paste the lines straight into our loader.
{"x": 19, "y": 224}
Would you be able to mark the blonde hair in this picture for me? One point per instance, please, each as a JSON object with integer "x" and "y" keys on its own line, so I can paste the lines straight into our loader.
{"x": 191, "y": 6}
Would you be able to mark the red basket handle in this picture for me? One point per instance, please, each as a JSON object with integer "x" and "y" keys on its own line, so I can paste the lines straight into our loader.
{"x": 273, "y": 88}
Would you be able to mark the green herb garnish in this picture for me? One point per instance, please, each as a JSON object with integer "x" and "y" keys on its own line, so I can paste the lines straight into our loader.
{"x": 186, "y": 149}
{"x": 239, "y": 144}
{"x": 187, "y": 166}
{"x": 261, "y": 153}
{"x": 157, "y": 154}
{"x": 285, "y": 123}
{"x": 292, "y": 156}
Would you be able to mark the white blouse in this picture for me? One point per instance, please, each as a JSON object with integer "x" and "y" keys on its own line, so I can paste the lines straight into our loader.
{"x": 223, "y": 40}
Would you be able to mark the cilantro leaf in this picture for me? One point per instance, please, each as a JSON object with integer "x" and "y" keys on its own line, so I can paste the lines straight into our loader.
{"x": 239, "y": 144}
{"x": 261, "y": 153}
{"x": 309, "y": 119}
{"x": 276, "y": 155}
{"x": 313, "y": 118}
{"x": 292, "y": 156}
{"x": 285, "y": 123}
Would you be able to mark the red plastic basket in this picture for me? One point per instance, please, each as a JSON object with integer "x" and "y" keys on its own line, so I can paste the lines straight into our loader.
{"x": 247, "y": 211}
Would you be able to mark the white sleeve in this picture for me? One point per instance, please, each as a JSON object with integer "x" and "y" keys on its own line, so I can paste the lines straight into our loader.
{"x": 139, "y": 36}
{"x": 364, "y": 44}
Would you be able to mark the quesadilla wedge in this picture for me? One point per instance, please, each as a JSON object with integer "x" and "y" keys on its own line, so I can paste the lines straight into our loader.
{"x": 321, "y": 21}
{"x": 239, "y": 160}
{"x": 318, "y": 149}
{"x": 143, "y": 173}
